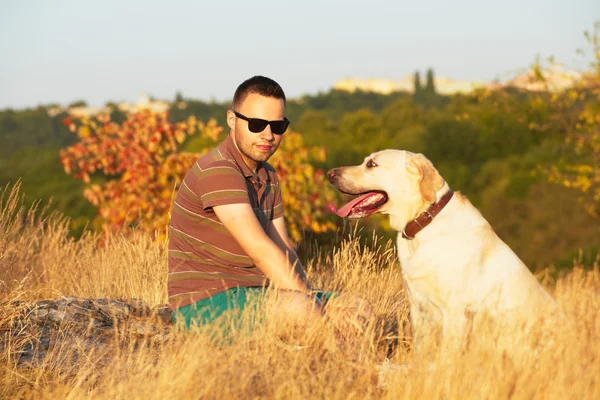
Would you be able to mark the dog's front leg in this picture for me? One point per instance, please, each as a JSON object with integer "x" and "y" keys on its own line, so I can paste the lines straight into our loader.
{"x": 453, "y": 331}
{"x": 418, "y": 327}
{"x": 426, "y": 324}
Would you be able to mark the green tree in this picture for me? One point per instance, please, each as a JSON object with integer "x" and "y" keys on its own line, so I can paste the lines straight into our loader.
{"x": 360, "y": 134}
{"x": 78, "y": 103}
{"x": 417, "y": 82}
{"x": 178, "y": 97}
{"x": 430, "y": 85}
{"x": 315, "y": 128}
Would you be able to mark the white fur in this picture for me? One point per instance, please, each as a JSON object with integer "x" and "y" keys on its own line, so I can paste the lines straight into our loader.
{"x": 456, "y": 267}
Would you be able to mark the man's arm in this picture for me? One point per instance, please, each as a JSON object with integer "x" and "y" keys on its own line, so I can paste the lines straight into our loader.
{"x": 279, "y": 235}
{"x": 239, "y": 219}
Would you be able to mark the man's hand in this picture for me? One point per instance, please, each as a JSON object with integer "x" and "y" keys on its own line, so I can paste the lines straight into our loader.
{"x": 319, "y": 306}
{"x": 239, "y": 219}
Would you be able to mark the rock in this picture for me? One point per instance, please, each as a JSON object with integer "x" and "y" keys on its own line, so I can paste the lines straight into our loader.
{"x": 74, "y": 326}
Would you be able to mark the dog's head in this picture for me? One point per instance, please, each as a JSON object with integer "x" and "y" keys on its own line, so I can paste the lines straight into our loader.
{"x": 395, "y": 182}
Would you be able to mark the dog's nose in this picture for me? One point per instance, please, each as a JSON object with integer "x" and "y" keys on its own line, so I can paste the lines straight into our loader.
{"x": 332, "y": 174}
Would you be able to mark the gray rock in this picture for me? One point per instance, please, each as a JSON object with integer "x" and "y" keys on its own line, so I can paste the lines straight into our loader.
{"x": 69, "y": 327}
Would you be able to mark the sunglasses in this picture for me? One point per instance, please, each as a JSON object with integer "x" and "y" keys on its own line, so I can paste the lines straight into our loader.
{"x": 257, "y": 125}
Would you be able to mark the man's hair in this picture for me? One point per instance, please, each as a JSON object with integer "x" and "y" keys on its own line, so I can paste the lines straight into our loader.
{"x": 260, "y": 85}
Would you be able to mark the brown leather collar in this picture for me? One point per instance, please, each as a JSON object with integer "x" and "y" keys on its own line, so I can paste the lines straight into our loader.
{"x": 415, "y": 226}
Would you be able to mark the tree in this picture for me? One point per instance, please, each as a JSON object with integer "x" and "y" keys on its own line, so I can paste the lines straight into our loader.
{"x": 573, "y": 113}
{"x": 305, "y": 189}
{"x": 140, "y": 167}
{"x": 417, "y": 82}
{"x": 140, "y": 164}
{"x": 430, "y": 85}
{"x": 360, "y": 134}
{"x": 78, "y": 103}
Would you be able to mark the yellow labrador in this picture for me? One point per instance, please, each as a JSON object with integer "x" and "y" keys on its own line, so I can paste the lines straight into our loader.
{"x": 453, "y": 263}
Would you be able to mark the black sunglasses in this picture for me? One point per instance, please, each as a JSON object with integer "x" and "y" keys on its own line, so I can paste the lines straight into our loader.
{"x": 257, "y": 125}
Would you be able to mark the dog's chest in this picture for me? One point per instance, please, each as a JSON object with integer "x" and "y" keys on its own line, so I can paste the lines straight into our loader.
{"x": 422, "y": 278}
{"x": 407, "y": 251}
{"x": 428, "y": 306}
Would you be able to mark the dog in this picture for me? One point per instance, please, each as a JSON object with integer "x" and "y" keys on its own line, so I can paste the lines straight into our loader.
{"x": 454, "y": 265}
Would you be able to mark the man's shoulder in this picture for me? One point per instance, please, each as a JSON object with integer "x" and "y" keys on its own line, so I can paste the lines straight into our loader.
{"x": 216, "y": 158}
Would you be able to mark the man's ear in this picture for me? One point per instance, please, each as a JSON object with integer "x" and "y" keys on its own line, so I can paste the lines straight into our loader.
{"x": 231, "y": 119}
{"x": 431, "y": 180}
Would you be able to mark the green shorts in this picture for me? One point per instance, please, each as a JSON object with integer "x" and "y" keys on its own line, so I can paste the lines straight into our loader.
{"x": 229, "y": 303}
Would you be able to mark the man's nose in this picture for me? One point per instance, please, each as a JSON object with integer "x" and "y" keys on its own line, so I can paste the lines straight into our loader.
{"x": 266, "y": 134}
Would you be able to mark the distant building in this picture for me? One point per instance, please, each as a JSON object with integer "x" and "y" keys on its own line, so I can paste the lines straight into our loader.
{"x": 84, "y": 111}
{"x": 383, "y": 86}
{"x": 54, "y": 111}
{"x": 555, "y": 79}
{"x": 447, "y": 86}
{"x": 386, "y": 86}
{"x": 143, "y": 103}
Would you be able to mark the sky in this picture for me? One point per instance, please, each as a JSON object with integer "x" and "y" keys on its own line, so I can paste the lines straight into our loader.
{"x": 61, "y": 51}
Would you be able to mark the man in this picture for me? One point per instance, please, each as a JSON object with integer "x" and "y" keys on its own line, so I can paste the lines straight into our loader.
{"x": 228, "y": 238}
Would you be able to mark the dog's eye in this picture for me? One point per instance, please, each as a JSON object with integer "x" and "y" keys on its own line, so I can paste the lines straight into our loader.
{"x": 371, "y": 164}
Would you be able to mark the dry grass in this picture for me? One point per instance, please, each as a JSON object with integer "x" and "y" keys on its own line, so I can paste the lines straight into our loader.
{"x": 38, "y": 261}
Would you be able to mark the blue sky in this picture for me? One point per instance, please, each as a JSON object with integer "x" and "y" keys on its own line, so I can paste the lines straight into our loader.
{"x": 61, "y": 51}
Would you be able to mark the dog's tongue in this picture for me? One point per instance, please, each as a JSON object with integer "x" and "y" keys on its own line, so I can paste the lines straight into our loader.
{"x": 344, "y": 211}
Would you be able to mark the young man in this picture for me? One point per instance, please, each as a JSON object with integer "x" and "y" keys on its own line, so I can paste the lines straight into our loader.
{"x": 227, "y": 233}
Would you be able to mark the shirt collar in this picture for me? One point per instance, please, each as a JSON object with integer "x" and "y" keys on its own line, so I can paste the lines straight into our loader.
{"x": 229, "y": 150}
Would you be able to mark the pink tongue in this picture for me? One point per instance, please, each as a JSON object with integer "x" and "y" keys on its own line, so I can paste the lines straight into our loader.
{"x": 345, "y": 210}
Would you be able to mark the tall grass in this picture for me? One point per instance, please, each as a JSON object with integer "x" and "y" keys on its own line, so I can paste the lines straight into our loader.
{"x": 38, "y": 260}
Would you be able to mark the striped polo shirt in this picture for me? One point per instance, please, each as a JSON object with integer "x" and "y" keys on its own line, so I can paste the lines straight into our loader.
{"x": 204, "y": 258}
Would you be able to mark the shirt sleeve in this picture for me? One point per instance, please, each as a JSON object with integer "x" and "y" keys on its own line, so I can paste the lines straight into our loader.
{"x": 220, "y": 183}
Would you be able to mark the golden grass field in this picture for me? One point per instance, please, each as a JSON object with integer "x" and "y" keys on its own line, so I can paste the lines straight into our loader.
{"x": 39, "y": 261}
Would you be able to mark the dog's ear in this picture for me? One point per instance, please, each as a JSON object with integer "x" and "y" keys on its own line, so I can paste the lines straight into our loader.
{"x": 431, "y": 180}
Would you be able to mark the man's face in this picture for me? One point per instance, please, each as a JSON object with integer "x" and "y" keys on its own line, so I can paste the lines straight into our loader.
{"x": 256, "y": 147}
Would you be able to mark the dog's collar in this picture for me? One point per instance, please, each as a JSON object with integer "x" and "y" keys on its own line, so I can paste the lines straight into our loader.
{"x": 416, "y": 225}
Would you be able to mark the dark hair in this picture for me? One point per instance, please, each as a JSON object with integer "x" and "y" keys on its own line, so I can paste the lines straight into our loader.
{"x": 260, "y": 85}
